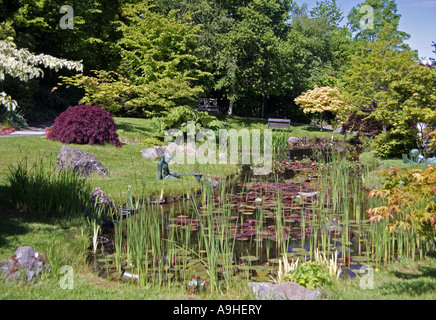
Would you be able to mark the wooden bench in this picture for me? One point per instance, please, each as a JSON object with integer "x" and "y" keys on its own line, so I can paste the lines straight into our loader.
{"x": 209, "y": 105}
{"x": 7, "y": 130}
{"x": 279, "y": 123}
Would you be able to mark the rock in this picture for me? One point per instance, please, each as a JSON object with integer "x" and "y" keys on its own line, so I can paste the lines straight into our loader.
{"x": 308, "y": 194}
{"x": 282, "y": 291}
{"x": 80, "y": 161}
{"x": 153, "y": 153}
{"x": 292, "y": 140}
{"x": 173, "y": 148}
{"x": 100, "y": 199}
{"x": 24, "y": 262}
{"x": 338, "y": 130}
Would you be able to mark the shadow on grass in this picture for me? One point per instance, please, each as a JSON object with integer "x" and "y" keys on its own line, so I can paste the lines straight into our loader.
{"x": 132, "y": 128}
{"x": 422, "y": 282}
{"x": 9, "y": 226}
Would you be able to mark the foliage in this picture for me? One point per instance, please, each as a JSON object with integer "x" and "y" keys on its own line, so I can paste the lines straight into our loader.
{"x": 21, "y": 64}
{"x": 432, "y": 142}
{"x": 411, "y": 100}
{"x": 8, "y": 116}
{"x": 178, "y": 118}
{"x": 321, "y": 99}
{"x": 11, "y": 118}
{"x": 410, "y": 201}
{"x": 252, "y": 60}
{"x": 369, "y": 75}
{"x": 310, "y": 275}
{"x": 393, "y": 145}
{"x": 161, "y": 54}
{"x": 42, "y": 191}
{"x": 151, "y": 142}
{"x": 107, "y": 89}
{"x": 362, "y": 123}
{"x": 24, "y": 65}
{"x": 382, "y": 12}
{"x": 329, "y": 10}
{"x": 7, "y": 102}
{"x": 85, "y": 124}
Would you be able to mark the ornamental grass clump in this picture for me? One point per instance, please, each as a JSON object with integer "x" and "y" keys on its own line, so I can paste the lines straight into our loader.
{"x": 85, "y": 124}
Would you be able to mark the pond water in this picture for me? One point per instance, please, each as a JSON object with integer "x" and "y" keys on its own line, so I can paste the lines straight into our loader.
{"x": 246, "y": 225}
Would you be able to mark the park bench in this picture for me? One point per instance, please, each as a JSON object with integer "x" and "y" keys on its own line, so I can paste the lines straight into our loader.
{"x": 209, "y": 105}
{"x": 279, "y": 123}
{"x": 7, "y": 130}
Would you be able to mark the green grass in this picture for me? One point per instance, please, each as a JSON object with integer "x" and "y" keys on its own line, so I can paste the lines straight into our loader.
{"x": 406, "y": 280}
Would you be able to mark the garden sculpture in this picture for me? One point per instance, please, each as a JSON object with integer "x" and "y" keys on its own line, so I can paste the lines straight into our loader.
{"x": 418, "y": 158}
{"x": 163, "y": 170}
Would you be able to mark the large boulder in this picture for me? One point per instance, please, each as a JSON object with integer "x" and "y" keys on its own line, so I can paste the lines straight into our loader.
{"x": 79, "y": 161}
{"x": 173, "y": 148}
{"x": 153, "y": 152}
{"x": 24, "y": 262}
{"x": 282, "y": 291}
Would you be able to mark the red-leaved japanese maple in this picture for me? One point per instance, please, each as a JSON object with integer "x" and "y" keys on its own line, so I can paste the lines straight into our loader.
{"x": 85, "y": 124}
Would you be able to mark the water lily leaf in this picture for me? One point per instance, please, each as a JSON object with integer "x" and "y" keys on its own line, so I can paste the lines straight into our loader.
{"x": 249, "y": 258}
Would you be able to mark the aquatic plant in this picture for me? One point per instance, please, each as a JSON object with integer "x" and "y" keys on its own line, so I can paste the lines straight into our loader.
{"x": 43, "y": 191}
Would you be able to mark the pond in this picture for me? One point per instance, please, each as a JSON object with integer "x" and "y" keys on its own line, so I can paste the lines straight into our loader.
{"x": 313, "y": 199}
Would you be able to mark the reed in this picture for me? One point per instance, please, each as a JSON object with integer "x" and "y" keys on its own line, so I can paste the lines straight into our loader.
{"x": 46, "y": 192}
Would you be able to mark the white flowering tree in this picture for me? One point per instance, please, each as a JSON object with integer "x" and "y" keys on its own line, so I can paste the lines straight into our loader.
{"x": 24, "y": 65}
{"x": 321, "y": 99}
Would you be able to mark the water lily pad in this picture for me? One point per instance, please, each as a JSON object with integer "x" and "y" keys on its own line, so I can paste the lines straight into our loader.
{"x": 249, "y": 258}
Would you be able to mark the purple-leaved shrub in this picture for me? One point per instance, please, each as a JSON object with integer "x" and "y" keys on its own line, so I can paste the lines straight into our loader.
{"x": 85, "y": 124}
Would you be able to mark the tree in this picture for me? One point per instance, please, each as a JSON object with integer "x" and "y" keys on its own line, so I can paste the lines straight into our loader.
{"x": 24, "y": 65}
{"x": 322, "y": 99}
{"x": 161, "y": 54}
{"x": 367, "y": 19}
{"x": 368, "y": 77}
{"x": 38, "y": 26}
{"x": 329, "y": 10}
{"x": 249, "y": 61}
{"x": 321, "y": 47}
{"x": 411, "y": 100}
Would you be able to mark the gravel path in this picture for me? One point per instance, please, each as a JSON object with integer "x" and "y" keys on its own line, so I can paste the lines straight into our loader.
{"x": 32, "y": 130}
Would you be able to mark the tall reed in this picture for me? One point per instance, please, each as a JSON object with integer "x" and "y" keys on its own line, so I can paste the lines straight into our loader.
{"x": 43, "y": 191}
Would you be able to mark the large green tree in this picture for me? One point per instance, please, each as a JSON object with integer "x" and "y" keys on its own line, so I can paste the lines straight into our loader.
{"x": 368, "y": 18}
{"x": 369, "y": 74}
{"x": 250, "y": 57}
{"x": 161, "y": 54}
{"x": 39, "y": 26}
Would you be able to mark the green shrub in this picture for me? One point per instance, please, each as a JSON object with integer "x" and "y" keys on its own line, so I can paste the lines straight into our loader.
{"x": 393, "y": 145}
{"x": 310, "y": 275}
{"x": 178, "y": 118}
{"x": 151, "y": 142}
{"x": 12, "y": 118}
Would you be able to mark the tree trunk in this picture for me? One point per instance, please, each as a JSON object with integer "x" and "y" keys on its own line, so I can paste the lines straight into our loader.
{"x": 263, "y": 106}
{"x": 230, "y": 112}
{"x": 321, "y": 120}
